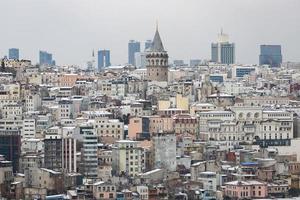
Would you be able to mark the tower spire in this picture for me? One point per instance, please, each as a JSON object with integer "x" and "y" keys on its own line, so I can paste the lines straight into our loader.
{"x": 156, "y": 25}
{"x": 157, "y": 45}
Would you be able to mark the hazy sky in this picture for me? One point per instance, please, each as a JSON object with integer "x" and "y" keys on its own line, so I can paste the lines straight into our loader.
{"x": 70, "y": 29}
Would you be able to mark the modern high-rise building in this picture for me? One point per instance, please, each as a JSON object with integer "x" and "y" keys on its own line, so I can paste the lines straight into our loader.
{"x": 53, "y": 152}
{"x": 157, "y": 60}
{"x": 89, "y": 151}
{"x": 46, "y": 58}
{"x": 133, "y": 47}
{"x": 270, "y": 55}
{"x": 178, "y": 63}
{"x": 13, "y": 53}
{"x": 223, "y": 51}
{"x": 140, "y": 59}
{"x": 148, "y": 44}
{"x": 103, "y": 59}
{"x": 10, "y": 146}
{"x": 195, "y": 62}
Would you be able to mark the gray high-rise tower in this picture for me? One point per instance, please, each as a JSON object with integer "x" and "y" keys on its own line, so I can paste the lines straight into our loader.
{"x": 133, "y": 47}
{"x": 103, "y": 59}
{"x": 13, "y": 53}
{"x": 270, "y": 55}
{"x": 223, "y": 52}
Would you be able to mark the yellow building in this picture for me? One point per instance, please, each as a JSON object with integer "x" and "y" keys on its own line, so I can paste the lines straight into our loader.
{"x": 182, "y": 102}
{"x": 164, "y": 104}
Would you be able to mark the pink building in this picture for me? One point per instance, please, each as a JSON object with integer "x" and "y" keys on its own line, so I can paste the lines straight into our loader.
{"x": 246, "y": 189}
{"x": 149, "y": 124}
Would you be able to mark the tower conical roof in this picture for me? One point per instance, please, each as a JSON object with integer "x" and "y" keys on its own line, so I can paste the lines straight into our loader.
{"x": 157, "y": 45}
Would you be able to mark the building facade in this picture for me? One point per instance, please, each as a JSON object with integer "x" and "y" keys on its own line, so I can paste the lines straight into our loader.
{"x": 157, "y": 60}
{"x": 128, "y": 158}
{"x": 164, "y": 148}
{"x": 13, "y": 53}
{"x": 103, "y": 59}
{"x": 133, "y": 47}
{"x": 270, "y": 55}
{"x": 45, "y": 58}
{"x": 223, "y": 52}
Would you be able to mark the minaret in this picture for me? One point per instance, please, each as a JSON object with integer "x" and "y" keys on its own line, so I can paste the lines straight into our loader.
{"x": 157, "y": 60}
{"x": 93, "y": 61}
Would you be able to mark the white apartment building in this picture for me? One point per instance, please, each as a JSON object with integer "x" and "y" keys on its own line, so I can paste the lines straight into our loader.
{"x": 119, "y": 88}
{"x": 12, "y": 111}
{"x": 29, "y": 128}
{"x": 246, "y": 124}
{"x": 32, "y": 145}
{"x": 65, "y": 110}
{"x": 104, "y": 87}
{"x": 32, "y": 102}
{"x": 143, "y": 192}
{"x": 10, "y": 92}
{"x": 128, "y": 158}
{"x": 266, "y": 100}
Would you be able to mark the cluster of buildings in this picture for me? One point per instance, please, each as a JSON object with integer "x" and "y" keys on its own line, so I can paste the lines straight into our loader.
{"x": 213, "y": 130}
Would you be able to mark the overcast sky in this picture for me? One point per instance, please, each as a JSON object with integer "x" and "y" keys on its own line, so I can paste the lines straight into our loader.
{"x": 70, "y": 29}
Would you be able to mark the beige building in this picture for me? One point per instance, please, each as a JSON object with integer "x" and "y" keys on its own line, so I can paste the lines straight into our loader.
{"x": 185, "y": 124}
{"x": 113, "y": 128}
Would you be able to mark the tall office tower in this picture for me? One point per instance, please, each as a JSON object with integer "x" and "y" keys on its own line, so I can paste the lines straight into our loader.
{"x": 89, "y": 151}
{"x": 178, "y": 63}
{"x": 140, "y": 59}
{"x": 13, "y": 53}
{"x": 157, "y": 60}
{"x": 148, "y": 44}
{"x": 46, "y": 58}
{"x": 10, "y": 146}
{"x": 133, "y": 47}
{"x": 223, "y": 52}
{"x": 103, "y": 59}
{"x": 53, "y": 152}
{"x": 270, "y": 55}
{"x": 195, "y": 62}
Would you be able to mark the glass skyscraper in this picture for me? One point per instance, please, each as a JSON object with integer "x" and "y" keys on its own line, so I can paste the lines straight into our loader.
{"x": 133, "y": 47}
{"x": 13, "y": 53}
{"x": 148, "y": 44}
{"x": 270, "y": 55}
{"x": 223, "y": 52}
{"x": 46, "y": 58}
{"x": 103, "y": 59}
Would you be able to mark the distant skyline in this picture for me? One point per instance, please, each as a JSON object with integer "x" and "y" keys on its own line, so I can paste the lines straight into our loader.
{"x": 71, "y": 29}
